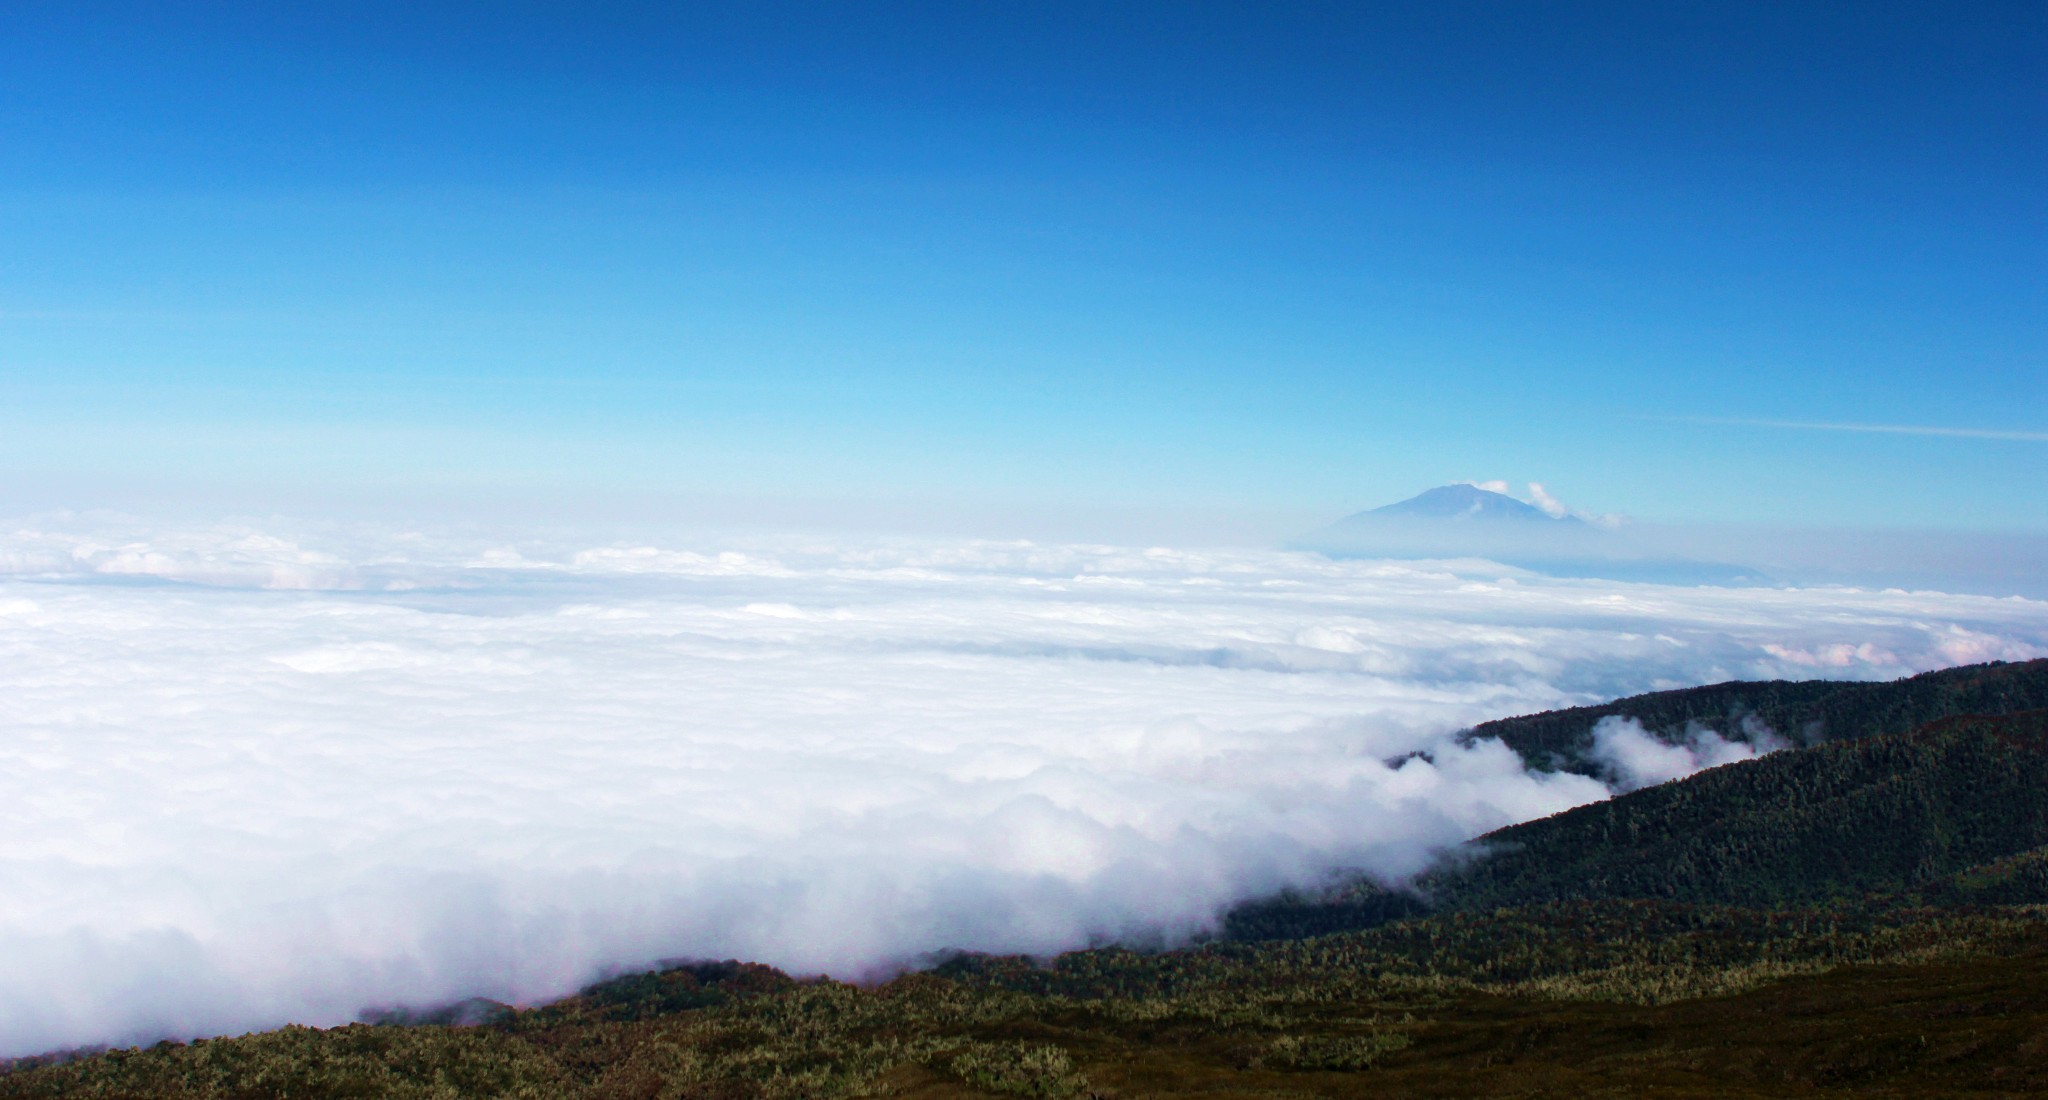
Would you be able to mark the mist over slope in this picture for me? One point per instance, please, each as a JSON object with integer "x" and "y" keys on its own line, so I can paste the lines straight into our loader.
{"x": 255, "y": 775}
{"x": 1770, "y": 713}
{"x": 1949, "y": 812}
{"x": 1885, "y": 813}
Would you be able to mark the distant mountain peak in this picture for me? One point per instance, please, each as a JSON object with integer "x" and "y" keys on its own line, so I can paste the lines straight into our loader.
{"x": 1466, "y": 521}
{"x": 1468, "y": 502}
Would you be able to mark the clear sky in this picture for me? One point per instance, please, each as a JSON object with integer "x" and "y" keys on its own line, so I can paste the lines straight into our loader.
{"x": 1277, "y": 261}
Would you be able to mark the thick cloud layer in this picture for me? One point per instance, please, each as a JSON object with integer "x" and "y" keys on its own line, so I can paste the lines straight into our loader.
{"x": 246, "y": 779}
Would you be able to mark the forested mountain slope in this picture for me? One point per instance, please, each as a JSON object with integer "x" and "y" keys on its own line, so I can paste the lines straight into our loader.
{"x": 1890, "y": 813}
{"x": 1954, "y": 811}
{"x": 1800, "y": 712}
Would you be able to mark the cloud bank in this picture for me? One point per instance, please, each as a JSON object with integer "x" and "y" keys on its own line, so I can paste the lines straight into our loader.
{"x": 251, "y": 776}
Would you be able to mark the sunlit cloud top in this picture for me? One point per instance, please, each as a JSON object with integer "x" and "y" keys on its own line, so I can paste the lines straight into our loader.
{"x": 252, "y": 775}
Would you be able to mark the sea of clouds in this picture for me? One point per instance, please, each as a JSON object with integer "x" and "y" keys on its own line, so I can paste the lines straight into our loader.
{"x": 252, "y": 773}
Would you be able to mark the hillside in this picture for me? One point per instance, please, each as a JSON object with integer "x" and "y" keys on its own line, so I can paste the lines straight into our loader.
{"x": 1799, "y": 712}
{"x": 1900, "y": 795}
{"x": 1880, "y": 814}
{"x": 1583, "y": 999}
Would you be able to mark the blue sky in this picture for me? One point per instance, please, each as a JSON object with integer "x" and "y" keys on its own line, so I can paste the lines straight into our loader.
{"x": 1266, "y": 261}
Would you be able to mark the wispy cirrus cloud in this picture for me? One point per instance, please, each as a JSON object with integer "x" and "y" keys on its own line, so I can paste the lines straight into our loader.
{"x": 2009, "y": 435}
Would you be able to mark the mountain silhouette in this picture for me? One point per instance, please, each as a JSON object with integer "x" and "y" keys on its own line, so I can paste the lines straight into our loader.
{"x": 1464, "y": 502}
{"x": 1466, "y": 521}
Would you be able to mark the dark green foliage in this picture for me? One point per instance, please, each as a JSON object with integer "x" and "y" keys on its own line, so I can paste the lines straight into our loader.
{"x": 1037, "y": 1070}
{"x": 1575, "y": 998}
{"x": 1880, "y": 814}
{"x": 466, "y": 1013}
{"x": 1331, "y": 1052}
{"x": 1294, "y": 916}
{"x": 1637, "y": 950}
{"x": 678, "y": 986}
{"x": 1944, "y": 814}
{"x": 1800, "y": 712}
{"x": 401, "y": 1063}
{"x": 2015, "y": 880}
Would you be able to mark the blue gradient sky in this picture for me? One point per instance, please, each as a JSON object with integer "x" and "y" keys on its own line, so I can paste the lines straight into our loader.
{"x": 1273, "y": 262}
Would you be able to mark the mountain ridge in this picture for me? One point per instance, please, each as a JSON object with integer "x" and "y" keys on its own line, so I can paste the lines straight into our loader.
{"x": 1922, "y": 783}
{"x": 1800, "y": 712}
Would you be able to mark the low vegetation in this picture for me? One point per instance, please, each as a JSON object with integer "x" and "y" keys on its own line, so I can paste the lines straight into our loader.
{"x": 1605, "y": 997}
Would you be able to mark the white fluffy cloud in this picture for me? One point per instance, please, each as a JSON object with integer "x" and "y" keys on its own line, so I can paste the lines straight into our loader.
{"x": 248, "y": 779}
{"x": 1636, "y": 759}
{"x": 1551, "y": 506}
